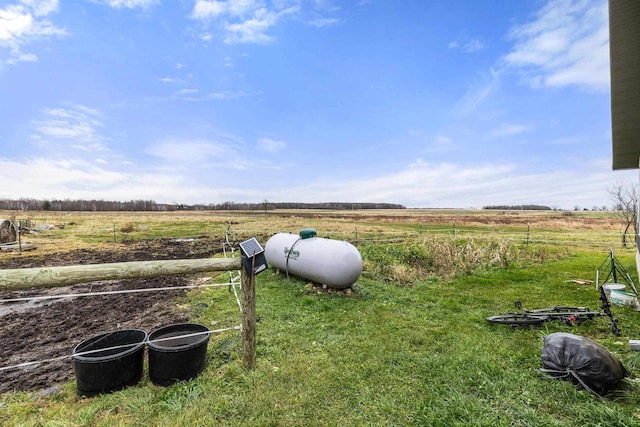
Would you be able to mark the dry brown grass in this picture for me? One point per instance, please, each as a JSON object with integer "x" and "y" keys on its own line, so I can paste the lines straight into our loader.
{"x": 97, "y": 229}
{"x": 447, "y": 256}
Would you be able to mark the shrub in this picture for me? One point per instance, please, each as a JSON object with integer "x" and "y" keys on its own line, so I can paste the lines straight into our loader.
{"x": 128, "y": 228}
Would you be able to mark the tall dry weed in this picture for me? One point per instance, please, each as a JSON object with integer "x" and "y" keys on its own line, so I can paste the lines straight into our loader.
{"x": 446, "y": 257}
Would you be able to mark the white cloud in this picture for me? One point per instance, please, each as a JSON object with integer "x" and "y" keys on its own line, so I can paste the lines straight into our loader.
{"x": 240, "y": 21}
{"x": 242, "y": 7}
{"x": 204, "y": 9}
{"x": 13, "y": 23}
{"x": 271, "y": 145}
{"x": 420, "y": 184}
{"x": 469, "y": 46}
{"x": 24, "y": 23}
{"x": 186, "y": 91}
{"x": 432, "y": 143}
{"x": 473, "y": 46}
{"x": 171, "y": 80}
{"x": 76, "y": 179}
{"x": 188, "y": 151}
{"x": 324, "y": 22}
{"x": 253, "y": 30}
{"x": 485, "y": 85}
{"x": 47, "y": 178}
{"x": 208, "y": 9}
{"x": 193, "y": 95}
{"x": 439, "y": 144}
{"x": 442, "y": 140}
{"x": 131, "y": 4}
{"x": 439, "y": 185}
{"x": 567, "y": 43}
{"x": 220, "y": 95}
{"x": 23, "y": 57}
{"x": 41, "y": 7}
{"x": 507, "y": 130}
{"x": 220, "y": 155}
{"x": 76, "y": 126}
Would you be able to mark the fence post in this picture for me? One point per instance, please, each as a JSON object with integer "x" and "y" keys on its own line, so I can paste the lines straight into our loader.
{"x": 528, "y": 230}
{"x": 248, "y": 319}
{"x": 19, "y": 239}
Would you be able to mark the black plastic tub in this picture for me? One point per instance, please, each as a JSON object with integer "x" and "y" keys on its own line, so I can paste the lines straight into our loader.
{"x": 177, "y": 352}
{"x": 109, "y": 362}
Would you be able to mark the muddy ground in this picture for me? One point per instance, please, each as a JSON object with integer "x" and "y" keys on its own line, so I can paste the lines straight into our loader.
{"x": 49, "y": 329}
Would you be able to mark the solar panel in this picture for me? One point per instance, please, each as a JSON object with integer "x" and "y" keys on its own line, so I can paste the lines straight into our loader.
{"x": 253, "y": 258}
{"x": 251, "y": 247}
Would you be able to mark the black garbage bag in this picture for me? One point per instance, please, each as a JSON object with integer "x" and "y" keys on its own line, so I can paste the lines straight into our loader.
{"x": 582, "y": 361}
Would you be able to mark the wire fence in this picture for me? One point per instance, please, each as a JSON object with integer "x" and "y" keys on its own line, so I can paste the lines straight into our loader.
{"x": 525, "y": 236}
{"x": 233, "y": 283}
{"x": 46, "y": 232}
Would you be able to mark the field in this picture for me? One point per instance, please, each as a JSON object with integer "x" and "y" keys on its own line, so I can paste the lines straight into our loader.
{"x": 407, "y": 345}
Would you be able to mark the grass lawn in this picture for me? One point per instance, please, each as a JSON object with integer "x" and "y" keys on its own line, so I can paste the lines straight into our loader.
{"x": 406, "y": 347}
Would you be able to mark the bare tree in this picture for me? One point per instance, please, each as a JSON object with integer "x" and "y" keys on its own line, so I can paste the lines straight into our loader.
{"x": 625, "y": 204}
{"x": 23, "y": 204}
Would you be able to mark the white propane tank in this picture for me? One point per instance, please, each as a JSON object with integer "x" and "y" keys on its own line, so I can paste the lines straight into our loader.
{"x": 334, "y": 263}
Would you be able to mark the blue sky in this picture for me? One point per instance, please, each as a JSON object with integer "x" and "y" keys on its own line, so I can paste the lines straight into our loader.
{"x": 430, "y": 104}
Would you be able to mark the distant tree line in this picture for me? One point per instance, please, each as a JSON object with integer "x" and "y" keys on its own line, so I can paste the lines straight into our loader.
{"x": 518, "y": 207}
{"x": 28, "y": 204}
{"x": 331, "y": 205}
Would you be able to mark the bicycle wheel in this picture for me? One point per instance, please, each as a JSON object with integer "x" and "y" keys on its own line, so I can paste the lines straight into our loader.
{"x": 516, "y": 319}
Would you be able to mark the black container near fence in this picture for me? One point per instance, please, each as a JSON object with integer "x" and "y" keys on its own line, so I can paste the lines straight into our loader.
{"x": 109, "y": 362}
{"x": 177, "y": 352}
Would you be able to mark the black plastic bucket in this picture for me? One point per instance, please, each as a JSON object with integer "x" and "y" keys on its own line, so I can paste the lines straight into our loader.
{"x": 177, "y": 352}
{"x": 109, "y": 362}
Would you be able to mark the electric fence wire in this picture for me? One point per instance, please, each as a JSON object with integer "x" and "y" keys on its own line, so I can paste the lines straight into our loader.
{"x": 117, "y": 347}
{"x": 233, "y": 279}
{"x": 123, "y": 291}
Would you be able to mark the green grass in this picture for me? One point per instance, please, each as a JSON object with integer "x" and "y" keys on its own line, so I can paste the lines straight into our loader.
{"x": 417, "y": 352}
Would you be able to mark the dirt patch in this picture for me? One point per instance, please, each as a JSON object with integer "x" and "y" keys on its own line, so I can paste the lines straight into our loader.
{"x": 50, "y": 329}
